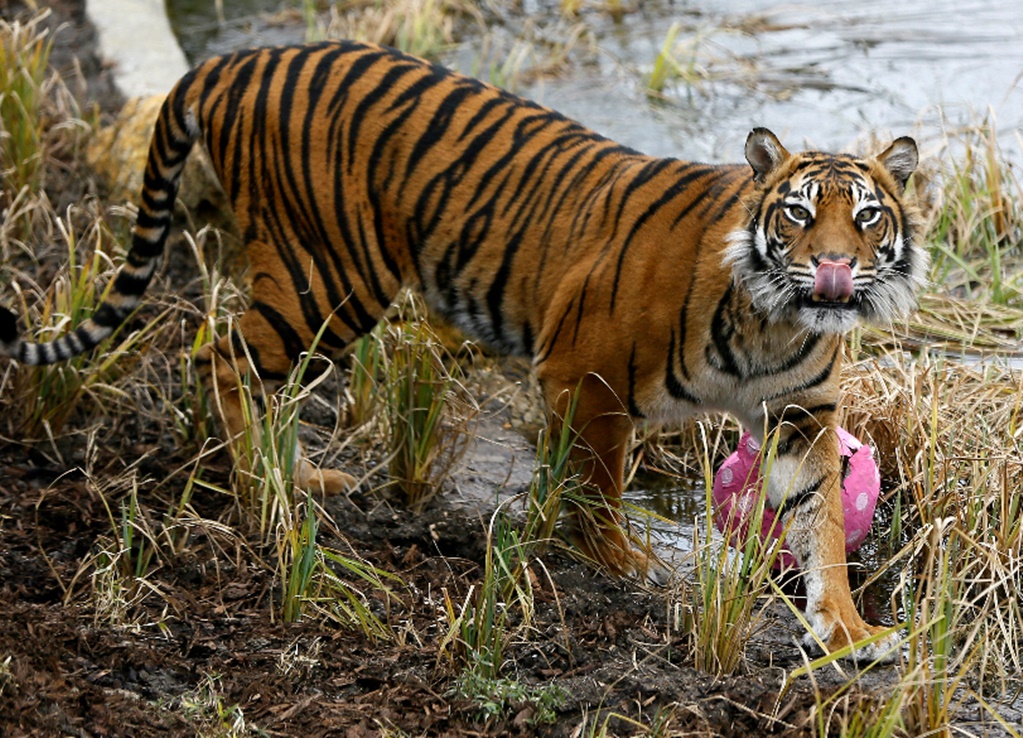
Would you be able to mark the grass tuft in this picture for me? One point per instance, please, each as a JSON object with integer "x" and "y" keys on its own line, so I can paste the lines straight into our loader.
{"x": 494, "y": 697}
{"x": 717, "y": 610}
{"x": 204, "y": 707}
{"x": 429, "y": 412}
{"x": 555, "y": 481}
{"x": 975, "y": 227}
{"x": 24, "y": 56}
{"x": 424, "y": 28}
{"x": 86, "y": 384}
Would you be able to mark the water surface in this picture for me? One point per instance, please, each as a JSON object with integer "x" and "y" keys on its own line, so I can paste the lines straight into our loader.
{"x": 828, "y": 74}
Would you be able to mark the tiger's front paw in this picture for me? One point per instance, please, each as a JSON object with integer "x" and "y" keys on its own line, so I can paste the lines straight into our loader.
{"x": 324, "y": 481}
{"x": 837, "y": 633}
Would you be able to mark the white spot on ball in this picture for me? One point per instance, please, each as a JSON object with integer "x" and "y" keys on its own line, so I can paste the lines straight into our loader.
{"x": 745, "y": 504}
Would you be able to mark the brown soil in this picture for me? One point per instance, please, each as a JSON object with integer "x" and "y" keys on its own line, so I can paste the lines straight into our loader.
{"x": 208, "y": 613}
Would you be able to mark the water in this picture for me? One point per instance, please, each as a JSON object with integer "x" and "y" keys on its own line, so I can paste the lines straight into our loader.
{"x": 203, "y": 30}
{"x": 669, "y": 509}
{"x": 828, "y": 74}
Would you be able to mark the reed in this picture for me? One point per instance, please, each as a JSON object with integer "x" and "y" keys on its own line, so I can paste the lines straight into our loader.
{"x": 975, "y": 222}
{"x": 24, "y": 57}
{"x": 555, "y": 482}
{"x": 429, "y": 412}
{"x": 366, "y": 379}
{"x": 716, "y": 611}
{"x": 425, "y": 28}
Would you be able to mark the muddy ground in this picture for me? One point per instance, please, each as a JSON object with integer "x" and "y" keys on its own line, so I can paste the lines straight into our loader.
{"x": 203, "y": 653}
{"x": 605, "y": 643}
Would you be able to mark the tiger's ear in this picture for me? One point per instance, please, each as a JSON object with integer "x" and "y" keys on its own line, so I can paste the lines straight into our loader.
{"x": 900, "y": 159}
{"x": 764, "y": 153}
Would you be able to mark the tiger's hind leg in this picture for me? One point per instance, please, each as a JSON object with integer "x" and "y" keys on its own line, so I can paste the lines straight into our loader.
{"x": 225, "y": 370}
{"x": 288, "y": 315}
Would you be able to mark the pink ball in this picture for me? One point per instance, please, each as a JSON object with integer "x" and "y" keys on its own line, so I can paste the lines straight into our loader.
{"x": 737, "y": 484}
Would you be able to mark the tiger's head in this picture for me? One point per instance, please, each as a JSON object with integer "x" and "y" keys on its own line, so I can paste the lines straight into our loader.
{"x": 830, "y": 239}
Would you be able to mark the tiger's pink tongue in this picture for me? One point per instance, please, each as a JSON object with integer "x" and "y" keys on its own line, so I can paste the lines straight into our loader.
{"x": 833, "y": 282}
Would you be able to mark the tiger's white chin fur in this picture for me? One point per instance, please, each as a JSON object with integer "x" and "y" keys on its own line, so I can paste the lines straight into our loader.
{"x": 828, "y": 319}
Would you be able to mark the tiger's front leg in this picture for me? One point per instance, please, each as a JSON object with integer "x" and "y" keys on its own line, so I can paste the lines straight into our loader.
{"x": 804, "y": 485}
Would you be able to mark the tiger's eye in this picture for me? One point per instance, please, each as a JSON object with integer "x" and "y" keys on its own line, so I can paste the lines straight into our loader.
{"x": 867, "y": 215}
{"x": 797, "y": 212}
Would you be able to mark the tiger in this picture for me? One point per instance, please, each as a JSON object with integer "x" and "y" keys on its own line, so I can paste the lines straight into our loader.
{"x": 643, "y": 289}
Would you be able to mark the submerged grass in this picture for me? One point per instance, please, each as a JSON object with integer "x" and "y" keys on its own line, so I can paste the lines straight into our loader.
{"x": 677, "y": 63}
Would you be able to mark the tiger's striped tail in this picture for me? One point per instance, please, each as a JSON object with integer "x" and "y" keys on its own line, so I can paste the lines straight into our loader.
{"x": 172, "y": 140}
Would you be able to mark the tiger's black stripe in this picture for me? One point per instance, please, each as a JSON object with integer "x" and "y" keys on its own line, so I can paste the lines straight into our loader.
{"x": 675, "y": 387}
{"x": 633, "y": 407}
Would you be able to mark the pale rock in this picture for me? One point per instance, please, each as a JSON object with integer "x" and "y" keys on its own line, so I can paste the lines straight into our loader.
{"x": 117, "y": 153}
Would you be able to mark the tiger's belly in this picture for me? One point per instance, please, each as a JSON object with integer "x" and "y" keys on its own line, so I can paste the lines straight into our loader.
{"x": 469, "y": 313}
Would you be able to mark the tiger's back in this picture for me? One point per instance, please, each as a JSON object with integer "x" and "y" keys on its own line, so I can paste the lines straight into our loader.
{"x": 646, "y": 287}
{"x": 390, "y": 171}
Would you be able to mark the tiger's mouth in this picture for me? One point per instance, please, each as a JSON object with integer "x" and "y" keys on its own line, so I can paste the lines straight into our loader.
{"x": 812, "y": 301}
{"x": 832, "y": 288}
{"x": 828, "y": 316}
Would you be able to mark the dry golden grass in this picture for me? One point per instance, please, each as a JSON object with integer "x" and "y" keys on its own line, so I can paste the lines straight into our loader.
{"x": 948, "y": 440}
